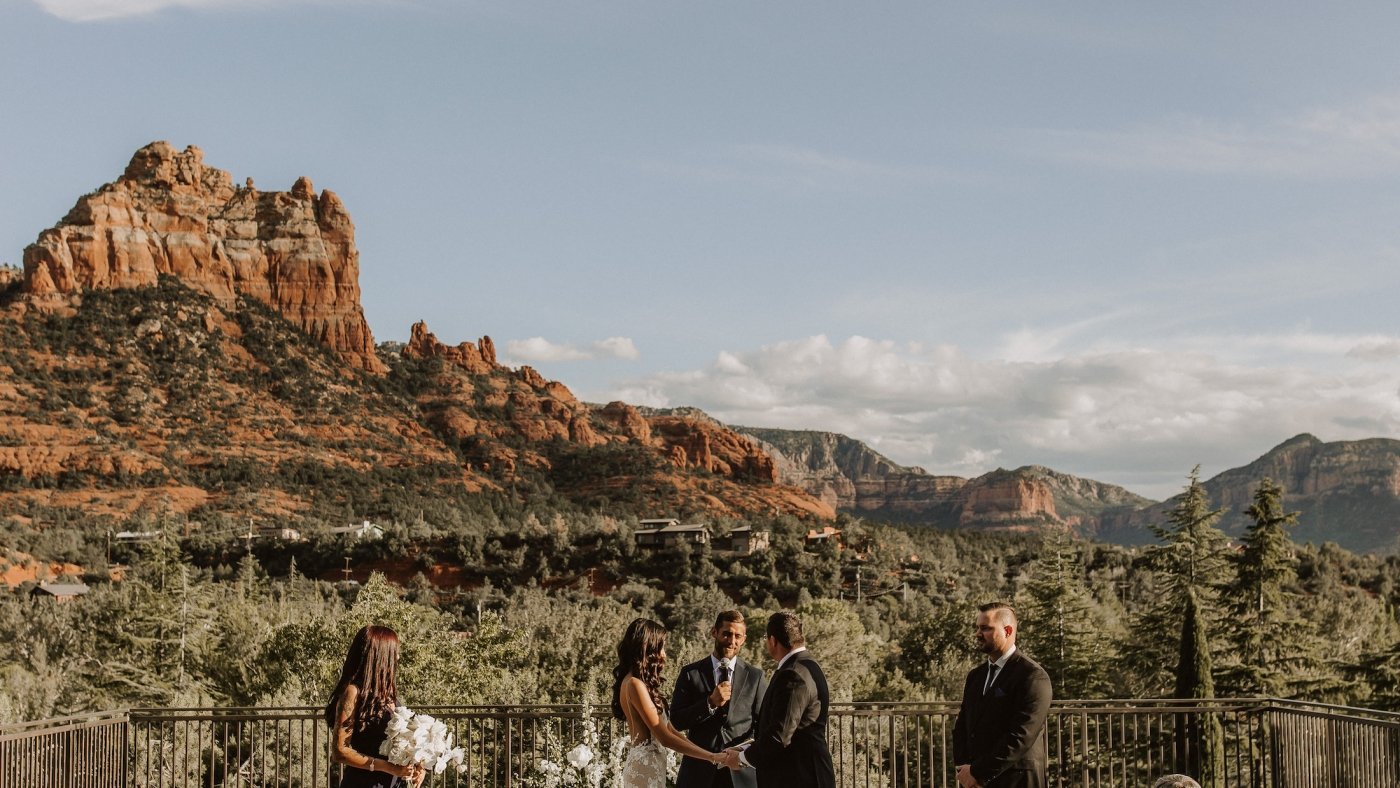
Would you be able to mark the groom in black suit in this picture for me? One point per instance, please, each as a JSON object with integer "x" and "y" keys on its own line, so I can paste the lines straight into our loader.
{"x": 716, "y": 704}
{"x": 998, "y": 740}
{"x": 789, "y": 748}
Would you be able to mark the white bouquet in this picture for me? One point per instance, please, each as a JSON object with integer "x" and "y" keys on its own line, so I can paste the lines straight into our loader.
{"x": 420, "y": 739}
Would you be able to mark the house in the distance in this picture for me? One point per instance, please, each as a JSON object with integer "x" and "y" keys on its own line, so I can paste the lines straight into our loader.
{"x": 365, "y": 530}
{"x": 660, "y": 534}
{"x": 740, "y": 541}
{"x": 58, "y": 592}
{"x": 816, "y": 539}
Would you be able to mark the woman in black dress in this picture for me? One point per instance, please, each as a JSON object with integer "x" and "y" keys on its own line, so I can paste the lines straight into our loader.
{"x": 360, "y": 709}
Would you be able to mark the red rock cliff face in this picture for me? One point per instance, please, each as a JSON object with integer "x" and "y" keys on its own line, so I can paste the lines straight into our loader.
{"x": 171, "y": 214}
{"x": 1006, "y": 498}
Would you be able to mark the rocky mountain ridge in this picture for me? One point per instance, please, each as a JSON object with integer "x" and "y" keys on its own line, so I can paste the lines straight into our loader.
{"x": 852, "y": 477}
{"x": 180, "y": 343}
{"x": 1345, "y": 491}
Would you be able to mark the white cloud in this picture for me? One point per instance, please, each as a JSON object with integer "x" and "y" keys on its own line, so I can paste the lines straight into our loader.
{"x": 98, "y": 10}
{"x": 539, "y": 349}
{"x": 95, "y": 10}
{"x": 1376, "y": 350}
{"x": 1139, "y": 417}
{"x": 1361, "y": 139}
{"x": 617, "y": 347}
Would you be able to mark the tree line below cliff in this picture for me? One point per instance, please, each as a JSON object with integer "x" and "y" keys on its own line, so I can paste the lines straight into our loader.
{"x": 203, "y": 620}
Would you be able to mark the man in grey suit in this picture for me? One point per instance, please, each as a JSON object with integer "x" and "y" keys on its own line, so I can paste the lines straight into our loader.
{"x": 716, "y": 704}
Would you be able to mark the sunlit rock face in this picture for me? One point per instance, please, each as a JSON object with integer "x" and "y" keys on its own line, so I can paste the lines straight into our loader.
{"x": 171, "y": 214}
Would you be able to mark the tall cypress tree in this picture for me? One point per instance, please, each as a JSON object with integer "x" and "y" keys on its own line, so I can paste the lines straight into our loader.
{"x": 1200, "y": 742}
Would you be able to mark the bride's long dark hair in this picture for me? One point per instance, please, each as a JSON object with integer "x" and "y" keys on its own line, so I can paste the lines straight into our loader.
{"x": 371, "y": 665}
{"x": 639, "y": 654}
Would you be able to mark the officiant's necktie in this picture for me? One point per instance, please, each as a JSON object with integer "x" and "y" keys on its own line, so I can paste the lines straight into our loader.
{"x": 992, "y": 670}
{"x": 724, "y": 673}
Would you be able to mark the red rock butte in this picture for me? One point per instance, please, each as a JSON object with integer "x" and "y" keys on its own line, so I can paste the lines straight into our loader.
{"x": 169, "y": 213}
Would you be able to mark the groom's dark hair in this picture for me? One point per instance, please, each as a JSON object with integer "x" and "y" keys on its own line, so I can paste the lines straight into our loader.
{"x": 786, "y": 629}
{"x": 728, "y": 617}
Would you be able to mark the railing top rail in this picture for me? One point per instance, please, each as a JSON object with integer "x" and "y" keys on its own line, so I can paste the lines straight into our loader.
{"x": 1331, "y": 708}
{"x": 61, "y": 724}
{"x": 856, "y": 708}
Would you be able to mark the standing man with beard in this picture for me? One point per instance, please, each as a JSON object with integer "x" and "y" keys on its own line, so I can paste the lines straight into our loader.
{"x": 716, "y": 703}
{"x": 998, "y": 740}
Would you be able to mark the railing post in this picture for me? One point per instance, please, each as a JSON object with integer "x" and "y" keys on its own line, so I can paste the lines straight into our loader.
{"x": 510, "y": 752}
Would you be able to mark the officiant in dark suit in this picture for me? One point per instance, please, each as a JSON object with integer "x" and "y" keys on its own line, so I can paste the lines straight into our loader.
{"x": 789, "y": 749}
{"x": 998, "y": 740}
{"x": 716, "y": 704}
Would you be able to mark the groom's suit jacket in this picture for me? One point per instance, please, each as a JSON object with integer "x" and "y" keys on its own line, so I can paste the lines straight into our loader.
{"x": 1001, "y": 733}
{"x": 690, "y": 712}
{"x": 790, "y": 748}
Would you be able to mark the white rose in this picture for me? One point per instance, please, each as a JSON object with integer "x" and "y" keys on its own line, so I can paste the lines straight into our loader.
{"x": 579, "y": 756}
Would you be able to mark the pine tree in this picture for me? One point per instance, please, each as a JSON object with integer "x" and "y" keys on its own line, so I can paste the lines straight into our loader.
{"x": 150, "y": 630}
{"x": 1190, "y": 562}
{"x": 1277, "y": 649}
{"x": 1060, "y": 625}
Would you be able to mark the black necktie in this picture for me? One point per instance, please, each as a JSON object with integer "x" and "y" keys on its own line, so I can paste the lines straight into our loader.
{"x": 992, "y": 670}
{"x": 723, "y": 677}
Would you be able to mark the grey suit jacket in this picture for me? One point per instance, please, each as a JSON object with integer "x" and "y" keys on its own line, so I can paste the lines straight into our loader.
{"x": 690, "y": 712}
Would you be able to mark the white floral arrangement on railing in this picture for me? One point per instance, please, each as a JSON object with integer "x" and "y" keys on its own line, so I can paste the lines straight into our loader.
{"x": 590, "y": 763}
{"x": 420, "y": 739}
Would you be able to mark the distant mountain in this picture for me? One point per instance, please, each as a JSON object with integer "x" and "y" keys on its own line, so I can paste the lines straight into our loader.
{"x": 850, "y": 476}
{"x": 1346, "y": 492}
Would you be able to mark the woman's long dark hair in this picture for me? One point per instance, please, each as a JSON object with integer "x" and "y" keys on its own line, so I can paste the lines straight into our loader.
{"x": 639, "y": 654}
{"x": 371, "y": 665}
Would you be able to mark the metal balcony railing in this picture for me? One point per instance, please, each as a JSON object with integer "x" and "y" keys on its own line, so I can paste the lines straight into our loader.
{"x": 1265, "y": 743}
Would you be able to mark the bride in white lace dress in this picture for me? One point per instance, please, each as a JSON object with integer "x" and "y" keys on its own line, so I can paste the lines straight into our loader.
{"x": 637, "y": 699}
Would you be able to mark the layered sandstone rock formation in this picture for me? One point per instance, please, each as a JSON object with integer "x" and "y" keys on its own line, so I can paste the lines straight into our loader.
{"x": 511, "y": 420}
{"x": 851, "y": 476}
{"x": 181, "y": 394}
{"x": 1344, "y": 491}
{"x": 169, "y": 213}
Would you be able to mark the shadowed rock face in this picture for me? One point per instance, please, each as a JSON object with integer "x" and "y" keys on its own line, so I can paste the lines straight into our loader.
{"x": 170, "y": 214}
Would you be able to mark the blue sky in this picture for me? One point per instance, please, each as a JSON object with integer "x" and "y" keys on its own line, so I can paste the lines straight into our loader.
{"x": 1116, "y": 239}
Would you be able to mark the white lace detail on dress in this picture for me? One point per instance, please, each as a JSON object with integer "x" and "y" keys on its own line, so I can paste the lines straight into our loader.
{"x": 646, "y": 766}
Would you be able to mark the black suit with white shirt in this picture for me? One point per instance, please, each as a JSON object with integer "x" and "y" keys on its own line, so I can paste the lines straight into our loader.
{"x": 716, "y": 729}
{"x": 1001, "y": 723}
